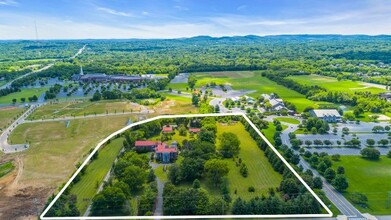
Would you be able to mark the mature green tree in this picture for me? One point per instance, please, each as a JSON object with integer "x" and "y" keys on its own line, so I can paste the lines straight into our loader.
{"x": 174, "y": 174}
{"x": 182, "y": 130}
{"x": 216, "y": 169}
{"x": 151, "y": 176}
{"x": 289, "y": 186}
{"x": 370, "y": 153}
{"x": 340, "y": 183}
{"x": 329, "y": 174}
{"x": 134, "y": 176}
{"x": 383, "y": 142}
{"x": 109, "y": 202}
{"x": 370, "y": 142}
{"x": 97, "y": 96}
{"x": 318, "y": 183}
{"x": 229, "y": 144}
{"x": 340, "y": 170}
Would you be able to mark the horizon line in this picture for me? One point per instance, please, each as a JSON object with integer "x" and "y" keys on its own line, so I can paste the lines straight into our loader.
{"x": 195, "y": 36}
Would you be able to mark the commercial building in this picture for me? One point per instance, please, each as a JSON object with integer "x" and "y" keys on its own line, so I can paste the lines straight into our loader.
{"x": 328, "y": 115}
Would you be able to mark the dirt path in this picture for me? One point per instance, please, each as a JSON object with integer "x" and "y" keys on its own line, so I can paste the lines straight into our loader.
{"x": 19, "y": 202}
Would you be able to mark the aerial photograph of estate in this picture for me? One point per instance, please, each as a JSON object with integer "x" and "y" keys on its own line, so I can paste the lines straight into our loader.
{"x": 195, "y": 109}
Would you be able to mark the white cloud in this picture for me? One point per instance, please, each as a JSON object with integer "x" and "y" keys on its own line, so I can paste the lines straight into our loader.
{"x": 241, "y": 7}
{"x": 114, "y": 12}
{"x": 8, "y": 2}
{"x": 181, "y": 8}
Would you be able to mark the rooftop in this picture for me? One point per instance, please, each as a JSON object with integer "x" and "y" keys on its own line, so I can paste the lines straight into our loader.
{"x": 167, "y": 129}
{"x": 325, "y": 112}
{"x": 145, "y": 143}
{"x": 163, "y": 148}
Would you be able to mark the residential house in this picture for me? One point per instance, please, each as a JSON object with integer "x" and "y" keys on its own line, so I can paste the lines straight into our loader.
{"x": 165, "y": 153}
{"x": 145, "y": 146}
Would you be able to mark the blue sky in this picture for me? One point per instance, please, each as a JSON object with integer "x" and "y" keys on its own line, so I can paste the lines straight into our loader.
{"x": 79, "y": 19}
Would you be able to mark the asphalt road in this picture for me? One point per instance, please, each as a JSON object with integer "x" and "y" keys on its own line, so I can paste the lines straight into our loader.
{"x": 80, "y": 51}
{"x": 7, "y": 148}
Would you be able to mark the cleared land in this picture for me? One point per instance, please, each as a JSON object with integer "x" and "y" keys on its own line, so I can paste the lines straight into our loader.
{"x": 53, "y": 154}
{"x": 70, "y": 109}
{"x": 332, "y": 84}
{"x": 252, "y": 80}
{"x": 260, "y": 173}
{"x": 288, "y": 120}
{"x": 25, "y": 93}
{"x": 7, "y": 115}
{"x": 61, "y": 147}
{"x": 95, "y": 173}
{"x": 371, "y": 179}
{"x": 175, "y": 104}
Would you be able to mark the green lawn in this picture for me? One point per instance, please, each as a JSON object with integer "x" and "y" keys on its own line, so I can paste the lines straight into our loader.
{"x": 5, "y": 168}
{"x": 95, "y": 173}
{"x": 178, "y": 86}
{"x": 332, "y": 84}
{"x": 177, "y": 97}
{"x": 269, "y": 132}
{"x": 9, "y": 115}
{"x": 69, "y": 109}
{"x": 252, "y": 80}
{"x": 261, "y": 174}
{"x": 371, "y": 178}
{"x": 161, "y": 174}
{"x": 288, "y": 120}
{"x": 25, "y": 93}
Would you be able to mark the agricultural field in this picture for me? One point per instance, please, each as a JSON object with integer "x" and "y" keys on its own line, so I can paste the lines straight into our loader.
{"x": 332, "y": 84}
{"x": 261, "y": 174}
{"x": 252, "y": 80}
{"x": 369, "y": 178}
{"x": 95, "y": 173}
{"x": 25, "y": 93}
{"x": 70, "y": 109}
{"x": 7, "y": 115}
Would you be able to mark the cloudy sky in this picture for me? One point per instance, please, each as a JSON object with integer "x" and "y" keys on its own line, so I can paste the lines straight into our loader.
{"x": 80, "y": 19}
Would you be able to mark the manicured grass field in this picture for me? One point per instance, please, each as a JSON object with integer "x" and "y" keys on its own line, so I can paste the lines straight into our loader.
{"x": 332, "y": 84}
{"x": 68, "y": 109}
{"x": 288, "y": 120}
{"x": 55, "y": 150}
{"x": 25, "y": 93}
{"x": 5, "y": 168}
{"x": 8, "y": 115}
{"x": 252, "y": 80}
{"x": 261, "y": 174}
{"x": 370, "y": 178}
{"x": 269, "y": 132}
{"x": 177, "y": 86}
{"x": 95, "y": 173}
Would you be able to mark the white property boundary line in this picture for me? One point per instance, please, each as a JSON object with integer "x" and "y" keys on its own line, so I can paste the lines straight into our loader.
{"x": 329, "y": 213}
